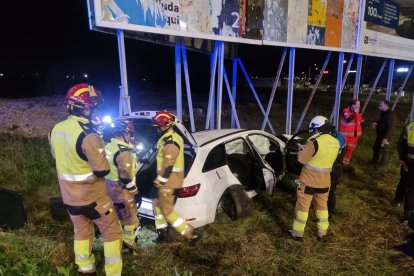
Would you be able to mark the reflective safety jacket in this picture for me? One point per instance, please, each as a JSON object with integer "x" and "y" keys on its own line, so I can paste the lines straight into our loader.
{"x": 80, "y": 161}
{"x": 170, "y": 159}
{"x": 122, "y": 160}
{"x": 410, "y": 141}
{"x": 405, "y": 144}
{"x": 351, "y": 123}
{"x": 326, "y": 152}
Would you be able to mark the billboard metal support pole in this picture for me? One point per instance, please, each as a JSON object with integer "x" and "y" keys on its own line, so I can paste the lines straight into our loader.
{"x": 234, "y": 92}
{"x": 210, "y": 108}
{"x": 232, "y": 102}
{"x": 358, "y": 76}
{"x": 187, "y": 86}
{"x": 178, "y": 91}
{"x": 390, "y": 76}
{"x": 343, "y": 84}
{"x": 254, "y": 93}
{"x": 124, "y": 103}
{"x": 220, "y": 82}
{"x": 338, "y": 89}
{"x": 403, "y": 86}
{"x": 313, "y": 92}
{"x": 277, "y": 78}
{"x": 290, "y": 90}
{"x": 373, "y": 86}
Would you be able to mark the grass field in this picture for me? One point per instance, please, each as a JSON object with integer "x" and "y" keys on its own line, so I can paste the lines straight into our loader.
{"x": 361, "y": 239}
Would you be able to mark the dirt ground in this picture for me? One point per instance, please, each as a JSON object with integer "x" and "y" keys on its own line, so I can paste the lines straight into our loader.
{"x": 32, "y": 117}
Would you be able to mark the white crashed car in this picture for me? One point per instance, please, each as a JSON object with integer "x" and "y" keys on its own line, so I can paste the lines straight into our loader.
{"x": 223, "y": 170}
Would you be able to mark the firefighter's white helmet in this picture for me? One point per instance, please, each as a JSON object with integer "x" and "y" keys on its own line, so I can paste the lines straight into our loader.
{"x": 317, "y": 122}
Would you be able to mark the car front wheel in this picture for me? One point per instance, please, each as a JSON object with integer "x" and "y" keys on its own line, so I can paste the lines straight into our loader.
{"x": 234, "y": 202}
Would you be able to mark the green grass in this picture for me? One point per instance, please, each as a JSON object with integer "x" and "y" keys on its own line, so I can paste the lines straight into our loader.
{"x": 361, "y": 239}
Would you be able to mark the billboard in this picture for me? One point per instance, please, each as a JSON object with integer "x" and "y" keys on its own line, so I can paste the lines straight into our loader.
{"x": 388, "y": 29}
{"x": 318, "y": 24}
{"x": 382, "y": 28}
{"x": 225, "y": 20}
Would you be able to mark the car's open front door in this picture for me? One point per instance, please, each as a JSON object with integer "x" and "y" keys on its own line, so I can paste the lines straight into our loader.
{"x": 264, "y": 172}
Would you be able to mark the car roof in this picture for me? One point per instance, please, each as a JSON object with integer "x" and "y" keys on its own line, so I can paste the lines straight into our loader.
{"x": 206, "y": 136}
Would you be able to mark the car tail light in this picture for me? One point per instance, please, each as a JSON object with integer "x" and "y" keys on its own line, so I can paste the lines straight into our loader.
{"x": 188, "y": 191}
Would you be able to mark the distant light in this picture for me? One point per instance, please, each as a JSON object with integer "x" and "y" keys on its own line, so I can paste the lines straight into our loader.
{"x": 316, "y": 68}
{"x": 352, "y": 71}
{"x": 67, "y": 76}
{"x": 402, "y": 70}
{"x": 85, "y": 76}
{"x": 1, "y": 75}
{"x": 144, "y": 79}
{"x": 107, "y": 119}
{"x": 139, "y": 146}
{"x": 325, "y": 72}
{"x": 345, "y": 61}
{"x": 303, "y": 73}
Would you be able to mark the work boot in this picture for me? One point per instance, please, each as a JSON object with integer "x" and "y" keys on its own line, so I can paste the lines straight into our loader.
{"x": 88, "y": 272}
{"x": 195, "y": 236}
{"x": 163, "y": 236}
{"x": 128, "y": 248}
{"x": 322, "y": 239}
{"x": 295, "y": 238}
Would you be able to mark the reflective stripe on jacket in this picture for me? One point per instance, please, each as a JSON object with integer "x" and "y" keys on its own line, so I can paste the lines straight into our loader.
{"x": 327, "y": 151}
{"x": 352, "y": 128}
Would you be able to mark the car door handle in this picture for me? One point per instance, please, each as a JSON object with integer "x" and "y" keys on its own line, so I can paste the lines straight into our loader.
{"x": 219, "y": 175}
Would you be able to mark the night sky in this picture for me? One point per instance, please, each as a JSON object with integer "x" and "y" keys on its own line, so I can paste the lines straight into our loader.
{"x": 47, "y": 46}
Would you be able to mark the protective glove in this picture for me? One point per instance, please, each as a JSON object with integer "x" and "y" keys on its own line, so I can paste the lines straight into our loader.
{"x": 158, "y": 183}
{"x": 132, "y": 187}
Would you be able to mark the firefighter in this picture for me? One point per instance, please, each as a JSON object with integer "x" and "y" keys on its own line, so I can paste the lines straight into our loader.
{"x": 351, "y": 128}
{"x": 318, "y": 157}
{"x": 120, "y": 182}
{"x": 405, "y": 188}
{"x": 170, "y": 176}
{"x": 81, "y": 167}
{"x": 337, "y": 171}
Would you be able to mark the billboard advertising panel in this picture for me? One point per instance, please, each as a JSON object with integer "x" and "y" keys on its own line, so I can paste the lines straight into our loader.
{"x": 225, "y": 20}
{"x": 388, "y": 29}
{"x": 319, "y": 24}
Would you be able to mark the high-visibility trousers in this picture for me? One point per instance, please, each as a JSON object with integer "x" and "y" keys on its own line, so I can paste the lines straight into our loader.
{"x": 165, "y": 204}
{"x": 305, "y": 196}
{"x": 350, "y": 145}
{"x": 101, "y": 214}
{"x": 126, "y": 209}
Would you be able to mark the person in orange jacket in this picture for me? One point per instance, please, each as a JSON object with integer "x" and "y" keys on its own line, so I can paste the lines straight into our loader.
{"x": 351, "y": 128}
{"x": 81, "y": 167}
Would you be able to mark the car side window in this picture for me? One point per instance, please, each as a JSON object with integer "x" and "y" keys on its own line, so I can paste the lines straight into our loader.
{"x": 261, "y": 143}
{"x": 215, "y": 159}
